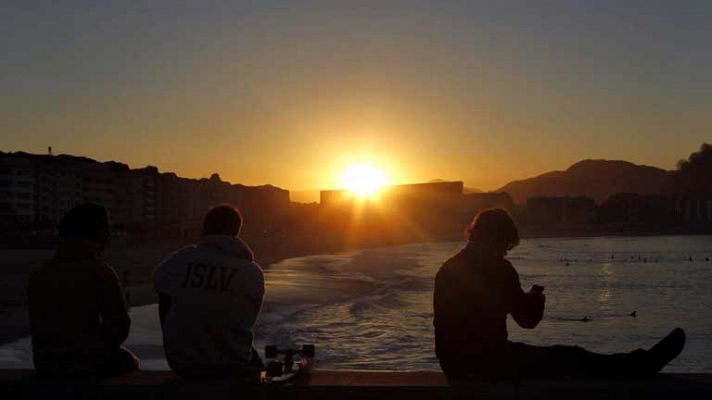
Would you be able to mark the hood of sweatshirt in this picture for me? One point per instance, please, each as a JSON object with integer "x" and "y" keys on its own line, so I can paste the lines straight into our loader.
{"x": 231, "y": 246}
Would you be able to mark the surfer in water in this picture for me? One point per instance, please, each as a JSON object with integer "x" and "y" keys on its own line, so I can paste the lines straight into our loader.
{"x": 478, "y": 287}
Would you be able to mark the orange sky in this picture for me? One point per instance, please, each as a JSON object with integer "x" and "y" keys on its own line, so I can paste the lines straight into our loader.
{"x": 290, "y": 94}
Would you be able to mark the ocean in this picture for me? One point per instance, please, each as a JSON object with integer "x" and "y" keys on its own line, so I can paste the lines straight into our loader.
{"x": 372, "y": 308}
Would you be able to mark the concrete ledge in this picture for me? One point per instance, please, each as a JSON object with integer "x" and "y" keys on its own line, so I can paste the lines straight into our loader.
{"x": 345, "y": 385}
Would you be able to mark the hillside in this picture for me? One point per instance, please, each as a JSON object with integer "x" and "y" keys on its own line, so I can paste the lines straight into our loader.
{"x": 596, "y": 179}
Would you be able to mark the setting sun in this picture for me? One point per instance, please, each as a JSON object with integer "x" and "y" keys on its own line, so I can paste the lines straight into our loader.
{"x": 363, "y": 179}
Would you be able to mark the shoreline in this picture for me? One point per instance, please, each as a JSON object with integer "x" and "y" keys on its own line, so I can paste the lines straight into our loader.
{"x": 135, "y": 265}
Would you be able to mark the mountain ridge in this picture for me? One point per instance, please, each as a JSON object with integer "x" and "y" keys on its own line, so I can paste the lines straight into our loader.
{"x": 594, "y": 178}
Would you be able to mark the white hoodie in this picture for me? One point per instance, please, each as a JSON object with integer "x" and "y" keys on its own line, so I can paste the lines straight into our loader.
{"x": 216, "y": 292}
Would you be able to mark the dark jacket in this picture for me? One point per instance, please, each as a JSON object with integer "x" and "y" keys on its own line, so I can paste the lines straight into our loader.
{"x": 77, "y": 313}
{"x": 473, "y": 295}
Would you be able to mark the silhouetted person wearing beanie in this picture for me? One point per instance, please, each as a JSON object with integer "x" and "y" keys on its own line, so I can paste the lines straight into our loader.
{"x": 478, "y": 287}
{"x": 210, "y": 296}
{"x": 77, "y": 313}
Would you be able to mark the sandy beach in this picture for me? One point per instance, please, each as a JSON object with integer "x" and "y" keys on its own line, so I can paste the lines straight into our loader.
{"x": 133, "y": 264}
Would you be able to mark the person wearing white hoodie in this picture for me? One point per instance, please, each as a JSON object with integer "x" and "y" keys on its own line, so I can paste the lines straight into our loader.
{"x": 210, "y": 295}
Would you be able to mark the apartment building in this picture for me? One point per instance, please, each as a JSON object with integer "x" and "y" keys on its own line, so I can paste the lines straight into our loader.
{"x": 36, "y": 190}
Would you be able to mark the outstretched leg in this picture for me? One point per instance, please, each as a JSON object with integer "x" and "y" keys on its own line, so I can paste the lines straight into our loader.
{"x": 537, "y": 361}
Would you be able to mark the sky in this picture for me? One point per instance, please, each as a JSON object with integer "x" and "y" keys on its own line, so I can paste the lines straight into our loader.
{"x": 292, "y": 93}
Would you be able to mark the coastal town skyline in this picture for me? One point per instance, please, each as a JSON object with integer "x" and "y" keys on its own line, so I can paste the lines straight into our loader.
{"x": 595, "y": 180}
{"x": 350, "y": 180}
{"x": 310, "y": 194}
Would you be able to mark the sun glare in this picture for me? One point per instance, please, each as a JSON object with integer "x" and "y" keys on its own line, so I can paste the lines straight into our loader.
{"x": 363, "y": 179}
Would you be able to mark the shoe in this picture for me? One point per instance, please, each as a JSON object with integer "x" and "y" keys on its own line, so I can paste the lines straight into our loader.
{"x": 665, "y": 351}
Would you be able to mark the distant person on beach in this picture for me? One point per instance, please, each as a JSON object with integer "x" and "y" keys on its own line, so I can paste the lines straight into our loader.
{"x": 77, "y": 313}
{"x": 209, "y": 297}
{"x": 478, "y": 287}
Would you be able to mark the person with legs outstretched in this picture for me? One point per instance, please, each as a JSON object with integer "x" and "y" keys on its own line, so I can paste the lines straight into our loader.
{"x": 478, "y": 287}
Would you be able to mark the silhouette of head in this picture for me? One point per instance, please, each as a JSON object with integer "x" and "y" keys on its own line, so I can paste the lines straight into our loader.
{"x": 222, "y": 220}
{"x": 494, "y": 229}
{"x": 86, "y": 221}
